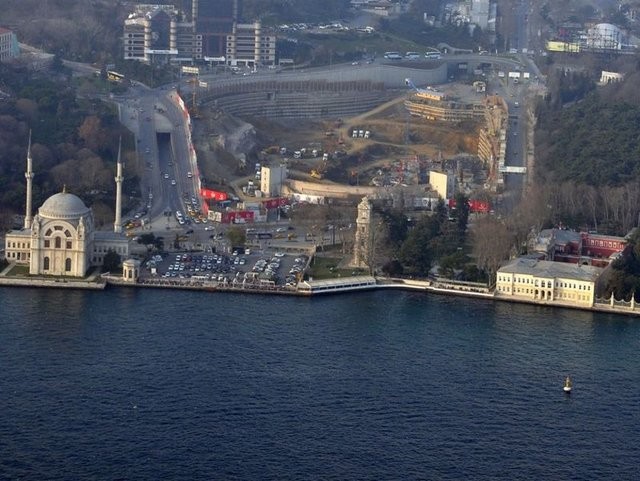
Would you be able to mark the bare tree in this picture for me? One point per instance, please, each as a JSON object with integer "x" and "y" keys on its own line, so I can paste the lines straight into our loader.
{"x": 492, "y": 244}
{"x": 376, "y": 251}
{"x": 313, "y": 219}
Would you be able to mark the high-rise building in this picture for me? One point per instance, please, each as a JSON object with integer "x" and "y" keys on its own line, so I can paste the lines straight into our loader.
{"x": 214, "y": 21}
{"x": 164, "y": 33}
{"x": 8, "y": 45}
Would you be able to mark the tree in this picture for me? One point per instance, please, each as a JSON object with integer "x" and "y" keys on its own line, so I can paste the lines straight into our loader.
{"x": 492, "y": 244}
{"x": 462, "y": 214}
{"x": 397, "y": 226}
{"x": 375, "y": 252}
{"x": 237, "y": 236}
{"x": 111, "y": 262}
{"x": 92, "y": 133}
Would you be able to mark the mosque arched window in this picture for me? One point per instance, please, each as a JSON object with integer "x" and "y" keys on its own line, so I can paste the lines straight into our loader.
{"x": 58, "y": 243}
{"x": 67, "y": 265}
{"x": 67, "y": 233}
{"x": 46, "y": 264}
{"x": 48, "y": 233}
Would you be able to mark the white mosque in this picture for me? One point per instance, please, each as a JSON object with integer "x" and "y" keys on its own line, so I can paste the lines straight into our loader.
{"x": 61, "y": 240}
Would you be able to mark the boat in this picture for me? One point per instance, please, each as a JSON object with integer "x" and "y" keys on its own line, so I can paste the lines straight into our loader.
{"x": 567, "y": 385}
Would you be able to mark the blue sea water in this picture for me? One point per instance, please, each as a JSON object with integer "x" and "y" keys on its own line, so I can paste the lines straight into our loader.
{"x": 142, "y": 384}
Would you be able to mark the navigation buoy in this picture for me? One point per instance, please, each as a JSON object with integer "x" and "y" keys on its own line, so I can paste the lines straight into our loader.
{"x": 567, "y": 385}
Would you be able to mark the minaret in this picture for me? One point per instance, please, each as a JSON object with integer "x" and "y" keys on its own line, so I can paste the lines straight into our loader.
{"x": 28, "y": 218}
{"x": 117, "y": 224}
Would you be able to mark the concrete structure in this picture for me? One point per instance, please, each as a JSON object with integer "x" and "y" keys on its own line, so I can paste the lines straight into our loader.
{"x": 443, "y": 183}
{"x": 131, "y": 270}
{"x": 272, "y": 179}
{"x": 438, "y": 106}
{"x": 248, "y": 46}
{"x": 492, "y": 140}
{"x": 8, "y": 45}
{"x": 604, "y": 36}
{"x": 548, "y": 282}
{"x": 363, "y": 245}
{"x": 480, "y": 13}
{"x": 150, "y": 34}
{"x": 610, "y": 77}
{"x": 163, "y": 34}
{"x": 60, "y": 239}
{"x": 213, "y": 21}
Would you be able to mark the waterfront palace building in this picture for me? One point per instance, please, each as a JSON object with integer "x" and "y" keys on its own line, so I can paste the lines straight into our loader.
{"x": 526, "y": 278}
{"x": 61, "y": 239}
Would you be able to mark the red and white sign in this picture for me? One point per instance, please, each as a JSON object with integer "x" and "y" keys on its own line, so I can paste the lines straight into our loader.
{"x": 275, "y": 203}
{"x": 208, "y": 194}
{"x": 475, "y": 206}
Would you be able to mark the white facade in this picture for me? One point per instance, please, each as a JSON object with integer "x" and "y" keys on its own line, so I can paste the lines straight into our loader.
{"x": 61, "y": 240}
{"x": 549, "y": 282}
{"x": 443, "y": 183}
{"x": 8, "y": 45}
{"x": 249, "y": 46}
{"x": 480, "y": 13}
{"x": 272, "y": 179}
{"x": 155, "y": 34}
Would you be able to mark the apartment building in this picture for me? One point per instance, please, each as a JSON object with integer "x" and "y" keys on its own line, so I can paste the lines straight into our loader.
{"x": 165, "y": 34}
{"x": 8, "y": 45}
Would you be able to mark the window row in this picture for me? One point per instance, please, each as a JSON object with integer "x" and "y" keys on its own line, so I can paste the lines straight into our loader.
{"x": 19, "y": 245}
{"x": 46, "y": 264}
{"x": 57, "y": 243}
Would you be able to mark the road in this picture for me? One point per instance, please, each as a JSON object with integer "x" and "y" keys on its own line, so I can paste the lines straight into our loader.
{"x": 163, "y": 137}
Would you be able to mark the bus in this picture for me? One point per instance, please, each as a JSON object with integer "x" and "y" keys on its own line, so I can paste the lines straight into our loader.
{"x": 392, "y": 56}
{"x": 434, "y": 55}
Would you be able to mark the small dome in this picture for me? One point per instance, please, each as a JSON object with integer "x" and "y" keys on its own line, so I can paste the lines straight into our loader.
{"x": 63, "y": 206}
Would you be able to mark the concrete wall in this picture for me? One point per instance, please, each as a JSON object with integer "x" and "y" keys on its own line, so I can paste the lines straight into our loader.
{"x": 330, "y": 190}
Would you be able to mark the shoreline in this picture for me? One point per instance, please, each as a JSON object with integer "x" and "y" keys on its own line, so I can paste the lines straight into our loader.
{"x": 344, "y": 285}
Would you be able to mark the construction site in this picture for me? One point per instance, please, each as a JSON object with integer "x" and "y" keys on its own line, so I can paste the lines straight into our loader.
{"x": 342, "y": 139}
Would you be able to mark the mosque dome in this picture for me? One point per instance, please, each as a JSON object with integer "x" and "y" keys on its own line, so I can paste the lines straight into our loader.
{"x": 63, "y": 206}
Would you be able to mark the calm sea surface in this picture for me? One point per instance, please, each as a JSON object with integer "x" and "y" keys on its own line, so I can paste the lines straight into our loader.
{"x": 168, "y": 385}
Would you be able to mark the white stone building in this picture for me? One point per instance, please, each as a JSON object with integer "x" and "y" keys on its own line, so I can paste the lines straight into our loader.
{"x": 548, "y": 282}
{"x": 61, "y": 240}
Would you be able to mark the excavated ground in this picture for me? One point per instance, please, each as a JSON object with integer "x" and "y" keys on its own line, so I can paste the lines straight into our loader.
{"x": 223, "y": 141}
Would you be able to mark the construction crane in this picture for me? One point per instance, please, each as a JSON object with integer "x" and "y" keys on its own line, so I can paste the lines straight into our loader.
{"x": 428, "y": 91}
{"x": 409, "y": 83}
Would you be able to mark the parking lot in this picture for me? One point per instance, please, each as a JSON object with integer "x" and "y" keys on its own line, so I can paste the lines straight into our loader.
{"x": 268, "y": 268}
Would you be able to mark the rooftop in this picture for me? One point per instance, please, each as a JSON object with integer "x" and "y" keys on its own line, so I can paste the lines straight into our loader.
{"x": 549, "y": 270}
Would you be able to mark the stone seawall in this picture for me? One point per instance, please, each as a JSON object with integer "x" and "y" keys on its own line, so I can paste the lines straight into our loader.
{"x": 53, "y": 283}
